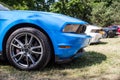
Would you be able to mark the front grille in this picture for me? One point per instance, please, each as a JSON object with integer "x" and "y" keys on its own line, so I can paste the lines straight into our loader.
{"x": 81, "y": 29}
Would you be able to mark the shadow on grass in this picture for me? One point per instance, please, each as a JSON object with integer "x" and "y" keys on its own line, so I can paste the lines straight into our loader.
{"x": 88, "y": 59}
{"x": 102, "y": 43}
{"x": 4, "y": 63}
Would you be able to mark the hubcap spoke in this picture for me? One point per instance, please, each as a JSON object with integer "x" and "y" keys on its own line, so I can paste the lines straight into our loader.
{"x": 31, "y": 58}
{"x": 19, "y": 42}
{"x": 20, "y": 53}
{"x": 19, "y": 58}
{"x": 30, "y": 41}
{"x": 36, "y": 47}
{"x": 27, "y": 60}
{"x": 26, "y": 39}
{"x": 35, "y": 52}
{"x": 17, "y": 46}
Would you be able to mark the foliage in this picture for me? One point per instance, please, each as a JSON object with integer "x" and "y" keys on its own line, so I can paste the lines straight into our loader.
{"x": 100, "y": 14}
{"x": 105, "y": 13}
{"x": 21, "y": 4}
{"x": 75, "y": 8}
{"x": 29, "y": 4}
{"x": 115, "y": 12}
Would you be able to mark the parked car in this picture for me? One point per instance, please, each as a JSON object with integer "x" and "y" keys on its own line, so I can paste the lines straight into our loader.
{"x": 95, "y": 32}
{"x": 118, "y": 31}
{"x": 30, "y": 39}
{"x": 117, "y": 27}
{"x": 110, "y": 32}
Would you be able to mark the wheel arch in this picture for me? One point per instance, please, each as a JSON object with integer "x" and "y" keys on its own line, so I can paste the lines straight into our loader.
{"x": 15, "y": 27}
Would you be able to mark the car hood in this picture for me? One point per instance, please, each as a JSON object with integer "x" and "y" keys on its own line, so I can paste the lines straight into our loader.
{"x": 44, "y": 16}
{"x": 50, "y": 15}
{"x": 90, "y": 27}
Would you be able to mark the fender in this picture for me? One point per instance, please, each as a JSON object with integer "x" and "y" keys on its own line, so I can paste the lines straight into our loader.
{"x": 5, "y": 29}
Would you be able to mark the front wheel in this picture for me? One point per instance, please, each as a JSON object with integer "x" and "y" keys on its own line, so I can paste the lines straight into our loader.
{"x": 28, "y": 49}
{"x": 105, "y": 35}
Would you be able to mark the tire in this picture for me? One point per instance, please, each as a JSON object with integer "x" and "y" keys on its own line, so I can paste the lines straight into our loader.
{"x": 28, "y": 49}
{"x": 105, "y": 35}
{"x": 111, "y": 34}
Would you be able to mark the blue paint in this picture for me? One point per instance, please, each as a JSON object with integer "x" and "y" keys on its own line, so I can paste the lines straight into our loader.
{"x": 52, "y": 24}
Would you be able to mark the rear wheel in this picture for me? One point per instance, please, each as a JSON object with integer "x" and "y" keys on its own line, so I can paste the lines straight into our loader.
{"x": 28, "y": 49}
{"x": 111, "y": 34}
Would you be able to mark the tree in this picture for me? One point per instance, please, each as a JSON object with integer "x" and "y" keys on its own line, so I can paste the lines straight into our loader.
{"x": 43, "y": 5}
{"x": 30, "y": 4}
{"x": 75, "y": 8}
{"x": 105, "y": 12}
{"x": 18, "y": 4}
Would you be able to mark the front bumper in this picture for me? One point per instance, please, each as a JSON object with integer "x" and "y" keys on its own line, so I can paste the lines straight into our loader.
{"x": 79, "y": 53}
{"x": 95, "y": 37}
{"x": 75, "y": 42}
{"x": 118, "y": 33}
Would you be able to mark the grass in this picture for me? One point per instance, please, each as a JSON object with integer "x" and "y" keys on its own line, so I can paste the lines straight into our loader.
{"x": 100, "y": 62}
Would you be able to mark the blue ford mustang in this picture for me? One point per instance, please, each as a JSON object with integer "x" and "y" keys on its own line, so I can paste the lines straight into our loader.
{"x": 30, "y": 39}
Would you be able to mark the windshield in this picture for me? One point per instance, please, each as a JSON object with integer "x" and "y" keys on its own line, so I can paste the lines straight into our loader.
{"x": 3, "y": 8}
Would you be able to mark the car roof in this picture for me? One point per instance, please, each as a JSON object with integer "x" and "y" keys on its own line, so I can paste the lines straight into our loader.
{"x": 3, "y": 8}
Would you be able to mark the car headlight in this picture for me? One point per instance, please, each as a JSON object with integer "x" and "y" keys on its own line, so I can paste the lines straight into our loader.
{"x": 74, "y": 28}
{"x": 97, "y": 31}
{"x": 102, "y": 32}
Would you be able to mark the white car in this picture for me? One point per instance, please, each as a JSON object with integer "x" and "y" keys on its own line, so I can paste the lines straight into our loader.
{"x": 95, "y": 32}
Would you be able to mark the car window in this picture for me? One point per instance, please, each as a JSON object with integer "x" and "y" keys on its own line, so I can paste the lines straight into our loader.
{"x": 3, "y": 8}
{"x": 114, "y": 26}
